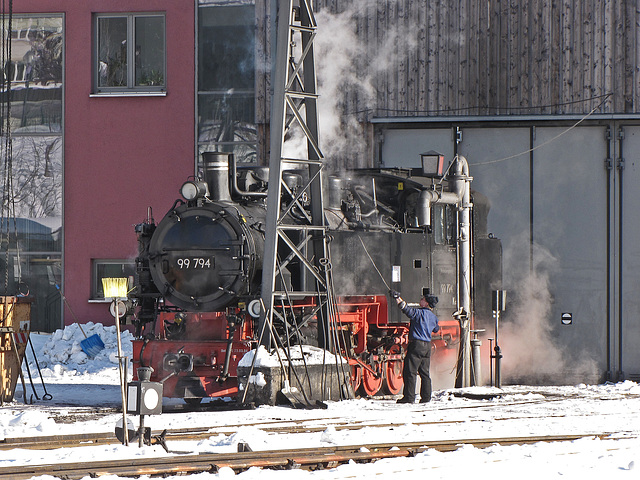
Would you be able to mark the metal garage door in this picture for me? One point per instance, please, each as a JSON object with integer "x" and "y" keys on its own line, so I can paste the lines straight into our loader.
{"x": 569, "y": 233}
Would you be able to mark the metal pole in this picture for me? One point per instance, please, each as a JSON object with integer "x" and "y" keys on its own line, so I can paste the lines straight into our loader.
{"x": 491, "y": 362}
{"x": 461, "y": 188}
{"x": 498, "y": 356}
{"x": 374, "y": 264}
{"x": 476, "y": 343}
{"x": 497, "y": 353}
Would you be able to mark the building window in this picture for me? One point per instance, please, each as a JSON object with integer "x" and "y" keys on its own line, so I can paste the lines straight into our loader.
{"x": 31, "y": 136}
{"x": 102, "y": 268}
{"x": 35, "y": 77}
{"x": 226, "y": 80}
{"x": 130, "y": 53}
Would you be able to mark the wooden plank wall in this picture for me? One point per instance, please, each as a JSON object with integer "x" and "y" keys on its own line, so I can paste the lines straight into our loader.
{"x": 497, "y": 57}
{"x": 264, "y": 25}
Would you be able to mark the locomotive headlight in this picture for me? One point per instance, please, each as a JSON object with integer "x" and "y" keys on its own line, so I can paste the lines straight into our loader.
{"x": 194, "y": 189}
{"x": 254, "y": 308}
{"x": 123, "y": 307}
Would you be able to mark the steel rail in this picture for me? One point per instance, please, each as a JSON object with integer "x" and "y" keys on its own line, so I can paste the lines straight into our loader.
{"x": 105, "y": 438}
{"x": 200, "y": 433}
{"x": 269, "y": 426}
{"x": 309, "y": 458}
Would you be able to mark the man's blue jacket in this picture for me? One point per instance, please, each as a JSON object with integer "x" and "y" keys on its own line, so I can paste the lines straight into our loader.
{"x": 423, "y": 323}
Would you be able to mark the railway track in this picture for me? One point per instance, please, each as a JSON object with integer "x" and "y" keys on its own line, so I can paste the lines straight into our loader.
{"x": 189, "y": 434}
{"x": 289, "y": 426}
{"x": 104, "y": 438}
{"x": 306, "y": 458}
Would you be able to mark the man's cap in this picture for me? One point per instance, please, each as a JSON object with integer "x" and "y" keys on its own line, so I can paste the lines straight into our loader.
{"x": 432, "y": 300}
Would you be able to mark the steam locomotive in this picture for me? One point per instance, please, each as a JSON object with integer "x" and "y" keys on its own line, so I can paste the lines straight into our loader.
{"x": 199, "y": 271}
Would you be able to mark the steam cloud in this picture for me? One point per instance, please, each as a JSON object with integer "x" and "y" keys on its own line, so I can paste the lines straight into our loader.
{"x": 347, "y": 68}
{"x": 526, "y": 336}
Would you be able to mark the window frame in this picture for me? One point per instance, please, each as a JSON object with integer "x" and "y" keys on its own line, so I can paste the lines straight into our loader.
{"x": 246, "y": 150}
{"x": 131, "y": 89}
{"x": 96, "y": 280}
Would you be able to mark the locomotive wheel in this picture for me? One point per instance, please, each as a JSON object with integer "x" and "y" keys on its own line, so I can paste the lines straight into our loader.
{"x": 393, "y": 381}
{"x": 371, "y": 383}
{"x": 356, "y": 377}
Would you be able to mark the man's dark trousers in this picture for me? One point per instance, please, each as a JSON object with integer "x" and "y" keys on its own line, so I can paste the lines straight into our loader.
{"x": 417, "y": 362}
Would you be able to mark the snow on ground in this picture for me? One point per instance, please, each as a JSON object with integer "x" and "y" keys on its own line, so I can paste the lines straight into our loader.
{"x": 77, "y": 382}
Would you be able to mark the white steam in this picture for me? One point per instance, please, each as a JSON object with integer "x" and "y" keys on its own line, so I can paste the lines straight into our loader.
{"x": 530, "y": 349}
{"x": 347, "y": 69}
{"x": 339, "y": 59}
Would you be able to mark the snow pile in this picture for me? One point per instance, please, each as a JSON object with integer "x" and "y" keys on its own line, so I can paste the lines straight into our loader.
{"x": 257, "y": 379}
{"x": 626, "y": 386}
{"x": 40, "y": 421}
{"x": 311, "y": 355}
{"x": 62, "y": 353}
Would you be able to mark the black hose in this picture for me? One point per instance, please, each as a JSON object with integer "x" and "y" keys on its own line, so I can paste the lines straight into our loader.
{"x": 144, "y": 345}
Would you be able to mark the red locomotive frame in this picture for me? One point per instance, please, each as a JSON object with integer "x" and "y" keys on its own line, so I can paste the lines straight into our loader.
{"x": 373, "y": 346}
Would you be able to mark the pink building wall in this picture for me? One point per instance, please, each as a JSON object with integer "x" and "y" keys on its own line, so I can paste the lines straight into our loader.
{"x": 121, "y": 154}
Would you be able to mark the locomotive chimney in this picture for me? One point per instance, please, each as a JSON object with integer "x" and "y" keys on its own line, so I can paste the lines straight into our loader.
{"x": 215, "y": 166}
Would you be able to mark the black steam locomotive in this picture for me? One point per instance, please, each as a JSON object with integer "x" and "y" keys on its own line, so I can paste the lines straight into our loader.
{"x": 199, "y": 271}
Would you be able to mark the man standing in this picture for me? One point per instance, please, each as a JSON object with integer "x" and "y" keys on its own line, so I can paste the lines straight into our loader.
{"x": 418, "y": 358}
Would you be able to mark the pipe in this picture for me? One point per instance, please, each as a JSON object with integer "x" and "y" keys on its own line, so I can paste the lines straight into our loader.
{"x": 460, "y": 196}
{"x": 609, "y": 168}
{"x": 498, "y": 369}
{"x": 335, "y": 192}
{"x": 430, "y": 197}
{"x": 620, "y": 373}
{"x": 234, "y": 181}
{"x": 491, "y": 362}
{"x": 476, "y": 359}
{"x": 462, "y": 188}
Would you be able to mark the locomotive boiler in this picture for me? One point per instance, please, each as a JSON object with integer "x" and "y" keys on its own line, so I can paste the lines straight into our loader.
{"x": 199, "y": 270}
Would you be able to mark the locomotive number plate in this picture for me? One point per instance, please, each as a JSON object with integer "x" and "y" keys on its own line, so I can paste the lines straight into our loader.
{"x": 195, "y": 262}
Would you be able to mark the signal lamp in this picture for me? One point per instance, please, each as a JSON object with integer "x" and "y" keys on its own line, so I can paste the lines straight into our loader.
{"x": 144, "y": 397}
{"x": 119, "y": 307}
{"x": 432, "y": 164}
